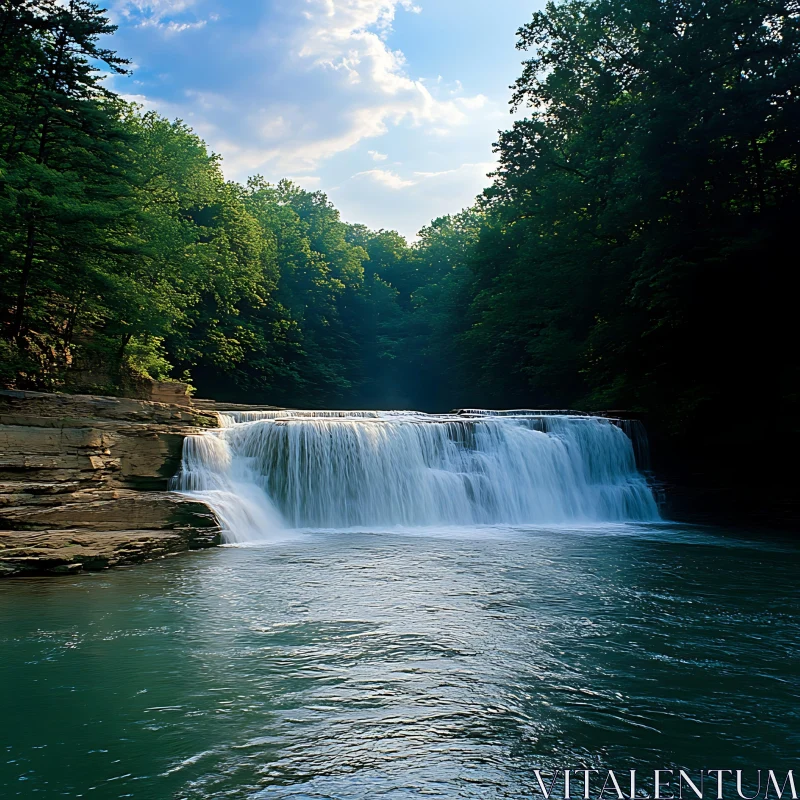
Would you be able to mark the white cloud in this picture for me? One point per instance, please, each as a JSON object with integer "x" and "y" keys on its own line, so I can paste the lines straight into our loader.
{"x": 386, "y": 177}
{"x": 139, "y": 100}
{"x": 473, "y": 103}
{"x": 151, "y": 9}
{"x": 296, "y": 92}
{"x": 394, "y": 181}
{"x": 180, "y": 27}
{"x": 376, "y": 156}
{"x": 158, "y": 14}
{"x": 347, "y": 39}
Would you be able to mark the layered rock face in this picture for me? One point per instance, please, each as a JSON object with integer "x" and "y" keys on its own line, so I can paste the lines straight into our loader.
{"x": 84, "y": 482}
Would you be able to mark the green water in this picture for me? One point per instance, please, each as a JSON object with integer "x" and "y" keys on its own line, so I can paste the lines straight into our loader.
{"x": 436, "y": 665}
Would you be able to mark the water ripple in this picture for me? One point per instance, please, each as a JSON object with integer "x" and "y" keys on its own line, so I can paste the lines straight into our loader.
{"x": 402, "y": 666}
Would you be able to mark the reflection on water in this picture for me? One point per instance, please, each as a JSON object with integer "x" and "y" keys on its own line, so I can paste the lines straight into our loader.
{"x": 442, "y": 664}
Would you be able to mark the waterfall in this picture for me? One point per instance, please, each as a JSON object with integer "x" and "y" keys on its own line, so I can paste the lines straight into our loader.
{"x": 265, "y": 471}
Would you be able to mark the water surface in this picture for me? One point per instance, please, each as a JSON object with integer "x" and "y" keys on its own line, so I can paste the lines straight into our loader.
{"x": 436, "y": 664}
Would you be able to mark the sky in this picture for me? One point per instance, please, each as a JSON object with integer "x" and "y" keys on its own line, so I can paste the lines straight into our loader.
{"x": 388, "y": 106}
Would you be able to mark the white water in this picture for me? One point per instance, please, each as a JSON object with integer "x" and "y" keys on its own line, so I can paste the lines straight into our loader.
{"x": 265, "y": 472}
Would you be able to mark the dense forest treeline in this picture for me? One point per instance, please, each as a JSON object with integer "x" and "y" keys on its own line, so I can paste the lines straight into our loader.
{"x": 634, "y": 249}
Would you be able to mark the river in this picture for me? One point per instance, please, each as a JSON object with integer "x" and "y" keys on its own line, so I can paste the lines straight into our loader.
{"x": 437, "y": 663}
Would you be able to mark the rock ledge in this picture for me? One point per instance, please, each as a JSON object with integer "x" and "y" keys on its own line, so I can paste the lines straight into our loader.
{"x": 84, "y": 480}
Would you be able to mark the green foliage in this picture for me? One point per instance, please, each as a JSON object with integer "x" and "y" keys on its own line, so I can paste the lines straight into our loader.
{"x": 637, "y": 241}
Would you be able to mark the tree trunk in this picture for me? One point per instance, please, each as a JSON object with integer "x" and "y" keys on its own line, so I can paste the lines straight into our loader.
{"x": 69, "y": 326}
{"x": 125, "y": 342}
{"x": 24, "y": 281}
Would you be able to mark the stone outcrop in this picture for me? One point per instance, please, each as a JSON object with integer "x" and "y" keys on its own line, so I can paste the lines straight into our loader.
{"x": 84, "y": 482}
{"x": 169, "y": 392}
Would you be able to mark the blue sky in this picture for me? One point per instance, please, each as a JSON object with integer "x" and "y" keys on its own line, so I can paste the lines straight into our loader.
{"x": 389, "y": 106}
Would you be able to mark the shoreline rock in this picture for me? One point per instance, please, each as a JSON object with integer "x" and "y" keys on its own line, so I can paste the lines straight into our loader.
{"x": 84, "y": 482}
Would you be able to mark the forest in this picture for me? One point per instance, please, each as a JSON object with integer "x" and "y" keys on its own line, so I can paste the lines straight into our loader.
{"x": 633, "y": 250}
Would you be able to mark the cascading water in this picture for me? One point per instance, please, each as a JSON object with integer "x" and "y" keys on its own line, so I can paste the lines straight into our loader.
{"x": 265, "y": 471}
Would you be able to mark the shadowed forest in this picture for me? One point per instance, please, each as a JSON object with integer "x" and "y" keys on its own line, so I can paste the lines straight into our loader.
{"x": 634, "y": 250}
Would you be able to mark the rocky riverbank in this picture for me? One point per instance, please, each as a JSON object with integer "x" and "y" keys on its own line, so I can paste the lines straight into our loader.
{"x": 84, "y": 482}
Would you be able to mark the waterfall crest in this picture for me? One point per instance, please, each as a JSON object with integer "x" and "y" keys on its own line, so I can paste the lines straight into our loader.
{"x": 268, "y": 470}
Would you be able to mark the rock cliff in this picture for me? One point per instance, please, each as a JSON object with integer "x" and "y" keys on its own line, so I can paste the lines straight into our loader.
{"x": 84, "y": 482}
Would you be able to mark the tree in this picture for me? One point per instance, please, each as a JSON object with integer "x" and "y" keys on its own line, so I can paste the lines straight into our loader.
{"x": 657, "y": 166}
{"x": 60, "y": 145}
